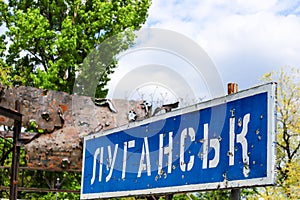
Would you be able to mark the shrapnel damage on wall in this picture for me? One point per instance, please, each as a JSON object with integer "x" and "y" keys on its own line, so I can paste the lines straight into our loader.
{"x": 60, "y": 121}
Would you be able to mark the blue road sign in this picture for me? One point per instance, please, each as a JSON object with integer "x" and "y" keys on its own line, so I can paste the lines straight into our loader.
{"x": 227, "y": 142}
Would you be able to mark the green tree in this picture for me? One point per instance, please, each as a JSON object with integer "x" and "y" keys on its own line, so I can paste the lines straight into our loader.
{"x": 288, "y": 136}
{"x": 216, "y": 195}
{"x": 5, "y": 152}
{"x": 48, "y": 40}
{"x": 288, "y": 141}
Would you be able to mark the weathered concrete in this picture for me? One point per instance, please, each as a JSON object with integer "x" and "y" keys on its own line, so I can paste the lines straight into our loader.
{"x": 64, "y": 119}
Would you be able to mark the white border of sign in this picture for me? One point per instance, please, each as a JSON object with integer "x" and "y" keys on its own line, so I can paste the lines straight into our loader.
{"x": 270, "y": 88}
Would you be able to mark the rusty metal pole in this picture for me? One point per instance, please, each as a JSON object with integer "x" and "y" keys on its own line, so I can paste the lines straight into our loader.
{"x": 15, "y": 156}
{"x": 232, "y": 88}
{"x": 235, "y": 194}
{"x": 168, "y": 196}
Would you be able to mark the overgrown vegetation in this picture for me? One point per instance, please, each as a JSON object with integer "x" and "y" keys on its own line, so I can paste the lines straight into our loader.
{"x": 46, "y": 44}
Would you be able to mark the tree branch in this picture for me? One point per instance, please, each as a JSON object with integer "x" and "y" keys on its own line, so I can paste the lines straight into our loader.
{"x": 5, "y": 156}
{"x": 280, "y": 145}
{"x": 295, "y": 151}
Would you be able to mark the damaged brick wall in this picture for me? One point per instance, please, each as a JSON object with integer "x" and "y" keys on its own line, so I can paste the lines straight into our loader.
{"x": 61, "y": 121}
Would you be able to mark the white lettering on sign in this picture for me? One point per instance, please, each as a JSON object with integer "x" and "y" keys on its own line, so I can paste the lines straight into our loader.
{"x": 112, "y": 161}
{"x": 184, "y": 133}
{"x": 168, "y": 150}
{"x": 101, "y": 163}
{"x": 165, "y": 149}
{"x": 143, "y": 165}
{"x": 94, "y": 165}
{"x": 213, "y": 143}
{"x": 127, "y": 145}
{"x": 240, "y": 138}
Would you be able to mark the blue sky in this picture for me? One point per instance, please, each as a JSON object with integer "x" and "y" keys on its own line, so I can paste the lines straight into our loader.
{"x": 245, "y": 39}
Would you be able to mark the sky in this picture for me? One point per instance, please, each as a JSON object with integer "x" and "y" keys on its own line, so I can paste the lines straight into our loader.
{"x": 244, "y": 38}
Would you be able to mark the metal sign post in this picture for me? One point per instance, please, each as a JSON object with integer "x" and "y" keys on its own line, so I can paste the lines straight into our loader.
{"x": 224, "y": 143}
{"x": 235, "y": 194}
{"x": 16, "y": 147}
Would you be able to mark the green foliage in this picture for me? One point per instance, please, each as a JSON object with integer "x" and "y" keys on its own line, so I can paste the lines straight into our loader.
{"x": 288, "y": 133}
{"x": 49, "y": 40}
{"x": 47, "y": 43}
{"x": 288, "y": 143}
{"x": 215, "y": 194}
{"x": 33, "y": 127}
{"x": 5, "y": 151}
{"x": 5, "y": 160}
{"x": 4, "y": 73}
{"x": 69, "y": 181}
{"x": 184, "y": 197}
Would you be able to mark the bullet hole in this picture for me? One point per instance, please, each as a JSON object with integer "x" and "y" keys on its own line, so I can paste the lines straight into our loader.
{"x": 46, "y": 116}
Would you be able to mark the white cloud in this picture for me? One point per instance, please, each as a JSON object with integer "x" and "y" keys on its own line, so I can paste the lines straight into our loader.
{"x": 244, "y": 38}
{"x": 255, "y": 5}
